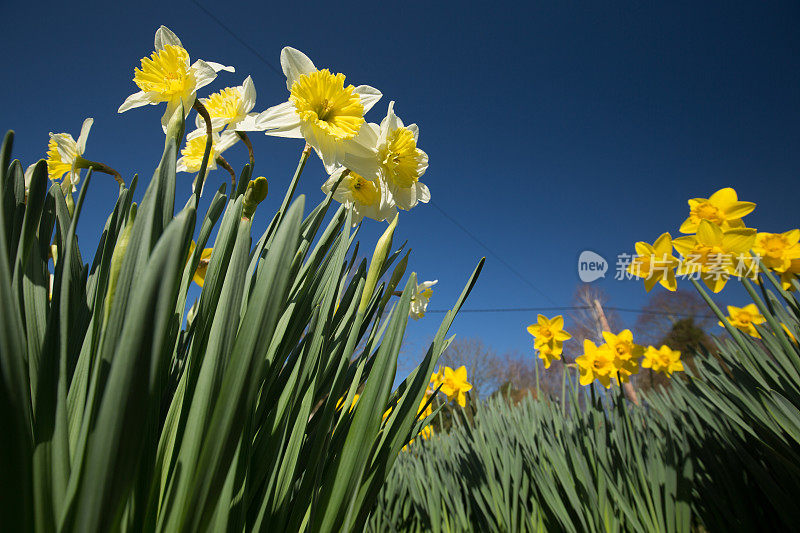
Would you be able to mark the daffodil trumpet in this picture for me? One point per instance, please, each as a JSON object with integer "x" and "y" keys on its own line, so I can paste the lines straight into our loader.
{"x": 81, "y": 162}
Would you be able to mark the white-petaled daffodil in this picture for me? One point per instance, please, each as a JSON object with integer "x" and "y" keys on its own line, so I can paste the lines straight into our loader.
{"x": 167, "y": 76}
{"x": 63, "y": 152}
{"x": 192, "y": 153}
{"x": 321, "y": 110}
{"x": 231, "y": 107}
{"x": 367, "y": 198}
{"x": 401, "y": 163}
{"x": 395, "y": 159}
{"x": 419, "y": 303}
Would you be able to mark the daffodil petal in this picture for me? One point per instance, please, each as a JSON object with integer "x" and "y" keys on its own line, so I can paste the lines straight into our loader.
{"x": 137, "y": 100}
{"x": 294, "y": 64}
{"x": 165, "y": 36}
{"x": 369, "y": 96}
{"x": 87, "y": 125}
{"x": 280, "y": 121}
{"x": 219, "y": 66}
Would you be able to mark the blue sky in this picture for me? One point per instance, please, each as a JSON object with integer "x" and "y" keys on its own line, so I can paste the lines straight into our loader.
{"x": 551, "y": 128}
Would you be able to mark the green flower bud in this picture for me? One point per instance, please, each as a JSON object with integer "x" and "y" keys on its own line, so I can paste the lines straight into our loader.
{"x": 376, "y": 265}
{"x": 254, "y": 195}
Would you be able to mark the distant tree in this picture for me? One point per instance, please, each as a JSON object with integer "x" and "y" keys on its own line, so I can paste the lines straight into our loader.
{"x": 665, "y": 309}
{"x": 584, "y": 321}
{"x": 482, "y": 362}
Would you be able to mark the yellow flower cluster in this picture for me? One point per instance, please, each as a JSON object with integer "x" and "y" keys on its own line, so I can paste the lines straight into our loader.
{"x": 454, "y": 383}
{"x": 717, "y": 248}
{"x": 548, "y": 337}
{"x": 619, "y": 357}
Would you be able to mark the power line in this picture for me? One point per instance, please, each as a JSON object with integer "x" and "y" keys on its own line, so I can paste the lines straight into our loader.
{"x": 235, "y": 36}
{"x": 491, "y": 252}
{"x": 571, "y": 308}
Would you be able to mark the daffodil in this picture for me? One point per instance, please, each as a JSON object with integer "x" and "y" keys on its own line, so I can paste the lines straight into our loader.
{"x": 714, "y": 254}
{"x": 168, "y": 77}
{"x": 548, "y": 353}
{"x": 745, "y": 319}
{"x": 395, "y": 159}
{"x": 790, "y": 274}
{"x": 28, "y": 177}
{"x": 63, "y": 153}
{"x": 436, "y": 379}
{"x": 789, "y": 333}
{"x": 352, "y": 405}
{"x": 419, "y": 302}
{"x": 626, "y": 352}
{"x": 655, "y": 263}
{"x": 321, "y": 109}
{"x": 549, "y": 333}
{"x": 723, "y": 208}
{"x": 455, "y": 384}
{"x": 200, "y": 274}
{"x": 664, "y": 360}
{"x": 423, "y": 412}
{"x": 596, "y": 363}
{"x": 778, "y": 250}
{"x": 366, "y": 198}
{"x": 192, "y": 154}
{"x": 231, "y": 107}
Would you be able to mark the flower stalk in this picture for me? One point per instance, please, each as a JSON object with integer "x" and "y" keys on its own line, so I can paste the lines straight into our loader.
{"x": 81, "y": 162}
{"x": 201, "y": 175}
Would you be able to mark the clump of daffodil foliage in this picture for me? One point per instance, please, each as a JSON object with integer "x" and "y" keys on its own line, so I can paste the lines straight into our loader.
{"x": 122, "y": 408}
{"x": 717, "y": 450}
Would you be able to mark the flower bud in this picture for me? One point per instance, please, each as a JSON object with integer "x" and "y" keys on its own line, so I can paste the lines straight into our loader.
{"x": 254, "y": 195}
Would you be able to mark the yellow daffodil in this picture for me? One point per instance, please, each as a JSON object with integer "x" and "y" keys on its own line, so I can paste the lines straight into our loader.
{"x": 596, "y": 363}
{"x": 231, "y": 107}
{"x": 664, "y": 360}
{"x": 655, "y": 263}
{"x": 789, "y": 333}
{"x": 352, "y": 405}
{"x": 63, "y": 153}
{"x": 426, "y": 431}
{"x": 626, "y": 352}
{"x": 200, "y": 274}
{"x": 419, "y": 302}
{"x": 167, "y": 76}
{"x": 548, "y": 352}
{"x": 790, "y": 274}
{"x": 549, "y": 333}
{"x": 366, "y": 198}
{"x": 778, "y": 250}
{"x": 436, "y": 377}
{"x": 745, "y": 319}
{"x": 714, "y": 254}
{"x": 321, "y": 110}
{"x": 723, "y": 208}
{"x": 455, "y": 385}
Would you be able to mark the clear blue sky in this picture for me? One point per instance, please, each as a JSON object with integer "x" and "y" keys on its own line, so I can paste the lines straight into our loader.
{"x": 551, "y": 128}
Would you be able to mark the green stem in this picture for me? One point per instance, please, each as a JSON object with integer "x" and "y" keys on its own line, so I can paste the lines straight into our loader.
{"x": 224, "y": 164}
{"x": 81, "y": 162}
{"x": 776, "y": 327}
{"x": 201, "y": 176}
{"x": 246, "y": 140}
